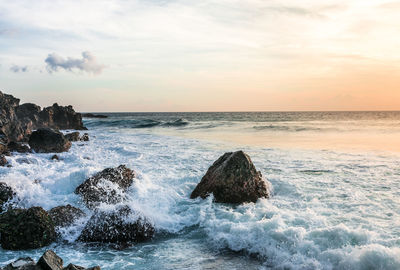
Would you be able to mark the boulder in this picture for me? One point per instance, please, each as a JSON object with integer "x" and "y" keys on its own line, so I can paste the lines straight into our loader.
{"x": 233, "y": 178}
{"x": 55, "y": 157}
{"x": 3, "y": 161}
{"x": 26, "y": 263}
{"x": 26, "y": 229}
{"x": 45, "y": 140}
{"x": 6, "y": 194}
{"x": 64, "y": 216}
{"x": 61, "y": 117}
{"x": 85, "y": 137}
{"x": 73, "y": 136}
{"x": 120, "y": 226}
{"x": 18, "y": 147}
{"x": 50, "y": 261}
{"x": 106, "y": 186}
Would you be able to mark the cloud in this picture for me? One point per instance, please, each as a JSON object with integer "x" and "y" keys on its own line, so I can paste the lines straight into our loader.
{"x": 17, "y": 69}
{"x": 87, "y": 63}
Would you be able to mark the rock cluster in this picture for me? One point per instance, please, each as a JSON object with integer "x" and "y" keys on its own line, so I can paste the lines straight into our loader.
{"x": 49, "y": 261}
{"x": 45, "y": 140}
{"x": 233, "y": 178}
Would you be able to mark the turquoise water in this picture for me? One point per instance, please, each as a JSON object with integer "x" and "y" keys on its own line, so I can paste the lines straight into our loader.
{"x": 332, "y": 207}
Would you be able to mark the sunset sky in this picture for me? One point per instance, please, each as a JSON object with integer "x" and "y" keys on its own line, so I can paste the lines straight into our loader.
{"x": 209, "y": 55}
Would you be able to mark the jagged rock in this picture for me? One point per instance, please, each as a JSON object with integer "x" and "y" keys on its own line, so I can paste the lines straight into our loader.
{"x": 45, "y": 140}
{"x": 85, "y": 137}
{"x": 61, "y": 117}
{"x": 55, "y": 157}
{"x": 28, "y": 112}
{"x": 26, "y": 229}
{"x": 9, "y": 124}
{"x": 18, "y": 147}
{"x": 91, "y": 115}
{"x": 233, "y": 178}
{"x": 73, "y": 136}
{"x": 106, "y": 186}
{"x": 66, "y": 215}
{"x": 119, "y": 226}
{"x": 6, "y": 194}
{"x": 26, "y": 263}
{"x": 3, "y": 160}
{"x": 50, "y": 261}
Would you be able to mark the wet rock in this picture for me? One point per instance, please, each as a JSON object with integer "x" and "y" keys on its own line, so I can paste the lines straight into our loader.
{"x": 66, "y": 215}
{"x": 55, "y": 157}
{"x": 50, "y": 261}
{"x": 61, "y": 117}
{"x": 77, "y": 267}
{"x": 26, "y": 263}
{"x": 119, "y": 226}
{"x": 85, "y": 137}
{"x": 10, "y": 126}
{"x": 3, "y": 160}
{"x": 26, "y": 229}
{"x": 6, "y": 194}
{"x": 233, "y": 178}
{"x": 46, "y": 140}
{"x": 91, "y": 115}
{"x": 106, "y": 186}
{"x": 18, "y": 147}
{"x": 73, "y": 136}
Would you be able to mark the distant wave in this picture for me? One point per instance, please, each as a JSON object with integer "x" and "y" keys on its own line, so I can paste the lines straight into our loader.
{"x": 287, "y": 128}
{"x": 135, "y": 123}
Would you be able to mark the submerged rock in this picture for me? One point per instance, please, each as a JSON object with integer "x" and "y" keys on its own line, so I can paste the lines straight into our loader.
{"x": 6, "y": 194}
{"x": 66, "y": 215}
{"x": 73, "y": 136}
{"x": 106, "y": 186}
{"x": 26, "y": 229}
{"x": 233, "y": 178}
{"x": 45, "y": 140}
{"x": 18, "y": 147}
{"x": 3, "y": 161}
{"x": 55, "y": 157}
{"x": 85, "y": 137}
{"x": 120, "y": 226}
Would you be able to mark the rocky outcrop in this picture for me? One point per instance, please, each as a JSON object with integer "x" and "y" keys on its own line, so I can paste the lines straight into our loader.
{"x": 49, "y": 261}
{"x": 107, "y": 186}
{"x": 18, "y": 121}
{"x": 45, "y": 140}
{"x": 65, "y": 215}
{"x": 91, "y": 115}
{"x": 233, "y": 178}
{"x": 26, "y": 229}
{"x": 121, "y": 226}
{"x": 6, "y": 194}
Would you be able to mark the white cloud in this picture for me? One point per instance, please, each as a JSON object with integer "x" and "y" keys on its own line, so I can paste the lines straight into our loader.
{"x": 87, "y": 63}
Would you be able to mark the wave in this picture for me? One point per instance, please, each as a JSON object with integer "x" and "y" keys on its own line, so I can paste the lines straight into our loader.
{"x": 137, "y": 123}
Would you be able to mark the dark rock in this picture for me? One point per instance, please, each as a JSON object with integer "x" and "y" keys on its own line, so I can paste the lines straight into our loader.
{"x": 55, "y": 157}
{"x": 28, "y": 112}
{"x": 3, "y": 145}
{"x": 66, "y": 215}
{"x": 6, "y": 194}
{"x": 77, "y": 267}
{"x": 3, "y": 161}
{"x": 61, "y": 117}
{"x": 99, "y": 188}
{"x": 45, "y": 140}
{"x": 50, "y": 261}
{"x": 73, "y": 136}
{"x": 18, "y": 147}
{"x": 26, "y": 229}
{"x": 119, "y": 226}
{"x": 91, "y": 115}
{"x": 232, "y": 179}
{"x": 26, "y": 263}
{"x": 85, "y": 137}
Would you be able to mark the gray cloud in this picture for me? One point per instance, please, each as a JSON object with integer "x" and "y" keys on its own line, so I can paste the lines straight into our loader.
{"x": 87, "y": 63}
{"x": 17, "y": 69}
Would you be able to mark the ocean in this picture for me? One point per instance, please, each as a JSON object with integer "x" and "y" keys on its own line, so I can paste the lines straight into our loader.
{"x": 335, "y": 179}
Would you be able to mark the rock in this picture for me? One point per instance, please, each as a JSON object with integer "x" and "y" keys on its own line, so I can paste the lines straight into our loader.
{"x": 9, "y": 124}
{"x": 73, "y": 136}
{"x": 55, "y": 157}
{"x": 3, "y": 160}
{"x": 91, "y": 115}
{"x": 26, "y": 229}
{"x": 4, "y": 145}
{"x": 46, "y": 140}
{"x": 6, "y": 194}
{"x": 77, "y": 267}
{"x": 28, "y": 112}
{"x": 64, "y": 216}
{"x": 85, "y": 137}
{"x": 61, "y": 117}
{"x": 106, "y": 186}
{"x": 233, "y": 178}
{"x": 26, "y": 263}
{"x": 18, "y": 147}
{"x": 50, "y": 261}
{"x": 119, "y": 226}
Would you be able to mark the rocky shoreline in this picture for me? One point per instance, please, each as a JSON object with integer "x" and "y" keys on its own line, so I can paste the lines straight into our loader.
{"x": 232, "y": 179}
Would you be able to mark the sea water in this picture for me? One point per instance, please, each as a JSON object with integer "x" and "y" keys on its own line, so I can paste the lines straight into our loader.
{"x": 335, "y": 179}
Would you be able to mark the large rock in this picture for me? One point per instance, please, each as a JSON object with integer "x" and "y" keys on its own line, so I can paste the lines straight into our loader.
{"x": 50, "y": 261}
{"x": 106, "y": 186}
{"x": 9, "y": 124}
{"x": 26, "y": 229}
{"x": 233, "y": 178}
{"x": 45, "y": 140}
{"x": 121, "y": 226}
{"x": 6, "y": 194}
{"x": 73, "y": 136}
{"x": 61, "y": 117}
{"x": 65, "y": 215}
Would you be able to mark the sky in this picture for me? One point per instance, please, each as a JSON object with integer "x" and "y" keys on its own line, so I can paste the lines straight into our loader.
{"x": 209, "y": 55}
